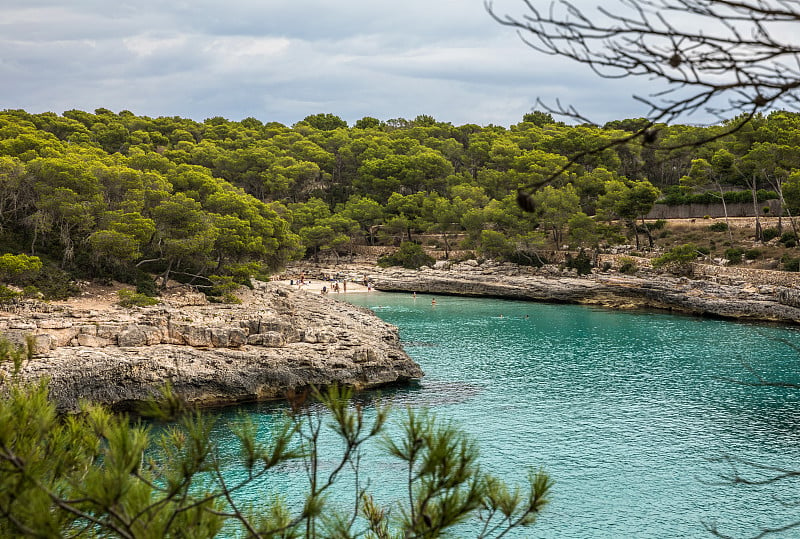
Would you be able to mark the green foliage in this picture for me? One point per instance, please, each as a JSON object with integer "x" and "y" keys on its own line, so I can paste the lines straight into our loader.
{"x": 16, "y": 354}
{"x": 145, "y": 285}
{"x": 97, "y": 474}
{"x": 55, "y": 283}
{"x": 538, "y": 118}
{"x": 770, "y": 233}
{"x": 223, "y": 289}
{"x": 753, "y": 254}
{"x": 790, "y": 263}
{"x": 128, "y": 298}
{"x": 325, "y": 122}
{"x": 677, "y": 197}
{"x": 734, "y": 255}
{"x": 719, "y": 226}
{"x": 627, "y": 265}
{"x": 495, "y": 244}
{"x": 101, "y": 194}
{"x": 410, "y": 255}
{"x": 583, "y": 230}
{"x": 19, "y": 268}
{"x": 678, "y": 260}
{"x": 582, "y": 263}
{"x": 7, "y": 295}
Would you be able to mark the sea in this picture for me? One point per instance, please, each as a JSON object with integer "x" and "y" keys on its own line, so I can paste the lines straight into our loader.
{"x": 650, "y": 425}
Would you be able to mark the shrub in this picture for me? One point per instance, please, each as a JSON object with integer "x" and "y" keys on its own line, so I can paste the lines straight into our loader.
{"x": 678, "y": 260}
{"x": 55, "y": 283}
{"x": 719, "y": 227}
{"x": 582, "y": 263}
{"x": 734, "y": 255}
{"x": 495, "y": 244}
{"x": 627, "y": 265}
{"x": 409, "y": 255}
{"x": 128, "y": 298}
{"x": 19, "y": 267}
{"x": 674, "y": 196}
{"x": 16, "y": 354}
{"x": 223, "y": 289}
{"x": 752, "y": 254}
{"x": 770, "y": 233}
{"x": 787, "y": 237}
{"x": 146, "y": 285}
{"x": 7, "y": 295}
{"x": 790, "y": 263}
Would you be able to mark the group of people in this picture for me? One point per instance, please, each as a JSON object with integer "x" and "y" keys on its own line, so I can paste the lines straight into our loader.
{"x": 335, "y": 287}
{"x": 333, "y": 283}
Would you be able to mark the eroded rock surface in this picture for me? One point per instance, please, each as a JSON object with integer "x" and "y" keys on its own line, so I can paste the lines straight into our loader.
{"x": 710, "y": 297}
{"x": 278, "y": 339}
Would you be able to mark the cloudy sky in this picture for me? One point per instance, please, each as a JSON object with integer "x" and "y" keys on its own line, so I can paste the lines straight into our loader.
{"x": 281, "y": 60}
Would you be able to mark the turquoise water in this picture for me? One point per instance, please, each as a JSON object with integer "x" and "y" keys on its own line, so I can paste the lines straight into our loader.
{"x": 627, "y": 412}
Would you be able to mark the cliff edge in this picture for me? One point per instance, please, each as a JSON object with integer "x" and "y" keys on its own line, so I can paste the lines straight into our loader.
{"x": 278, "y": 339}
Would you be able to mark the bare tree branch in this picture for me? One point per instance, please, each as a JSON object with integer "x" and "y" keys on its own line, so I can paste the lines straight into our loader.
{"x": 723, "y": 58}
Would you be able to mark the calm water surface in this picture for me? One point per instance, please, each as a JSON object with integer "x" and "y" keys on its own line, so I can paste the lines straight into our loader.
{"x": 627, "y": 412}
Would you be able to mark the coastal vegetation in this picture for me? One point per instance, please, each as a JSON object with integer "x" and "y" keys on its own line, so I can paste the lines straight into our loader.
{"x": 107, "y": 195}
{"x": 99, "y": 474}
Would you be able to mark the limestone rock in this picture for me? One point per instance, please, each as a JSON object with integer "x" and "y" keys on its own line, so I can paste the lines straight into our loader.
{"x": 277, "y": 340}
{"x": 713, "y": 296}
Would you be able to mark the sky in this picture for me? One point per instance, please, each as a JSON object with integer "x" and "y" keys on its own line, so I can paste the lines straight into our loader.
{"x": 282, "y": 60}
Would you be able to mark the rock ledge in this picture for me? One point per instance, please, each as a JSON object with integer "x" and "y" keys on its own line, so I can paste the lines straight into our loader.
{"x": 278, "y": 339}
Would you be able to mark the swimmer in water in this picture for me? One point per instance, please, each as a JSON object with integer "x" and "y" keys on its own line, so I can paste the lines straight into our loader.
{"x": 433, "y": 301}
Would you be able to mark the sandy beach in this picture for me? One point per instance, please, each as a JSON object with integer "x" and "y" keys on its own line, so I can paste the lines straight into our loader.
{"x": 315, "y": 286}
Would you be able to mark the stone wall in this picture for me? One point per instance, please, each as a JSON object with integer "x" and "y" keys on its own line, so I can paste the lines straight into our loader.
{"x": 698, "y": 211}
{"x": 756, "y": 277}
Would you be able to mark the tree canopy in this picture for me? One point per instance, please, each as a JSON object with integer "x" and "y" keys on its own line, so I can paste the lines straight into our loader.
{"x": 104, "y": 194}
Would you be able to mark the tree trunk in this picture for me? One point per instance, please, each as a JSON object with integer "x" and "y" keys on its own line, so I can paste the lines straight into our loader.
{"x": 725, "y": 211}
{"x": 165, "y": 275}
{"x": 647, "y": 231}
{"x": 753, "y": 191}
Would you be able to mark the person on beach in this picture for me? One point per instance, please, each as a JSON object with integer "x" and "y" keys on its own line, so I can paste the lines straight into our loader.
{"x": 344, "y": 285}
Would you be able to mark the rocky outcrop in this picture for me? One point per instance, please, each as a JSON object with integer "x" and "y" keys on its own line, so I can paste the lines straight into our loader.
{"x": 707, "y": 297}
{"x": 279, "y": 339}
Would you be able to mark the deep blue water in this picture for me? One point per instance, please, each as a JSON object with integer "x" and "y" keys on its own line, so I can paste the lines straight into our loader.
{"x": 628, "y": 412}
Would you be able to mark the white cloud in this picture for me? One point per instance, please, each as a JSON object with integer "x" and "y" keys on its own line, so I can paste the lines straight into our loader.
{"x": 146, "y": 45}
{"x": 281, "y": 60}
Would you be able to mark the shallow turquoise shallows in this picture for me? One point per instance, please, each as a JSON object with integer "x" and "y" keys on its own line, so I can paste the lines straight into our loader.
{"x": 629, "y": 413}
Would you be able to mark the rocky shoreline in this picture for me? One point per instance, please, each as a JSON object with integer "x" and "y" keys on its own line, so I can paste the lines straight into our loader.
{"x": 713, "y": 297}
{"x": 281, "y": 339}
{"x": 278, "y": 339}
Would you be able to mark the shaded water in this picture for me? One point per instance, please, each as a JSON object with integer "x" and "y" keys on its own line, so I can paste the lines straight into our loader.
{"x": 627, "y": 412}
